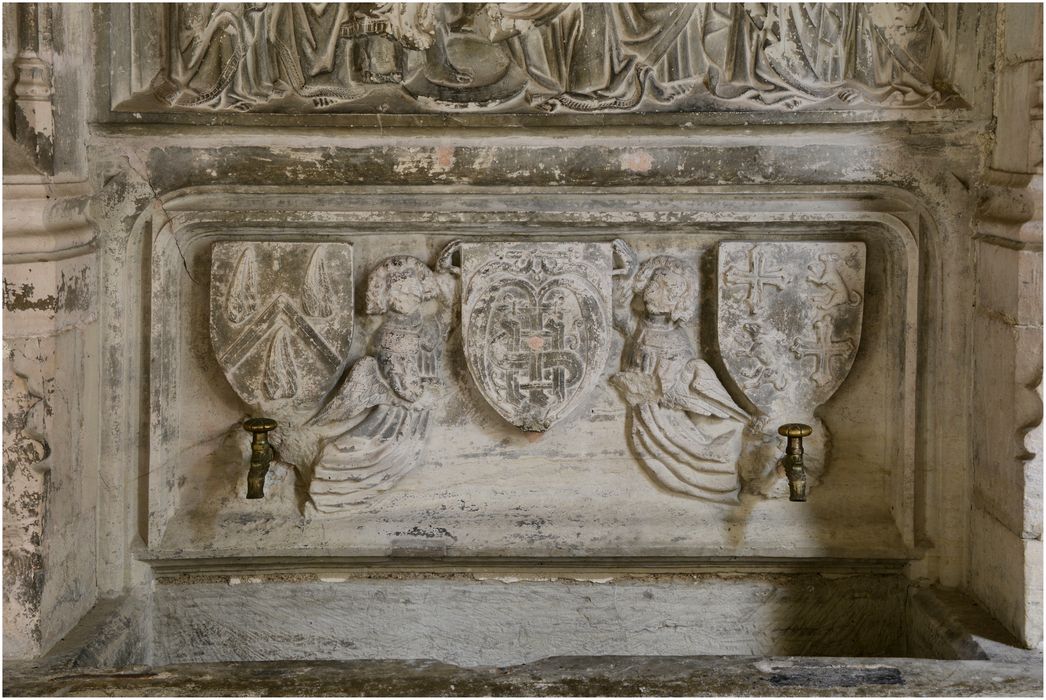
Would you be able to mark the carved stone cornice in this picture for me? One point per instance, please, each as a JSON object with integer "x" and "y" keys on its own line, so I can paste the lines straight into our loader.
{"x": 1009, "y": 209}
{"x": 49, "y": 259}
{"x": 46, "y": 222}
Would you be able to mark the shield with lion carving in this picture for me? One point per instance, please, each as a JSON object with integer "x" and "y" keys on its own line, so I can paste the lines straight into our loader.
{"x": 789, "y": 319}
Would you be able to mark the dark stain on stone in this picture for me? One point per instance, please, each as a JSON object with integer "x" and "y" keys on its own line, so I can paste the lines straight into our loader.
{"x": 429, "y": 532}
{"x": 24, "y": 581}
{"x": 577, "y": 676}
{"x": 836, "y": 676}
{"x": 20, "y": 298}
{"x": 74, "y": 292}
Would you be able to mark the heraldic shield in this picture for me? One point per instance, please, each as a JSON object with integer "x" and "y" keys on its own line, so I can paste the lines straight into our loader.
{"x": 789, "y": 320}
{"x": 536, "y": 321}
{"x": 281, "y": 321}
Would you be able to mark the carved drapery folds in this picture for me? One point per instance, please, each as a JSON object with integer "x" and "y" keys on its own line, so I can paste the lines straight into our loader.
{"x": 390, "y": 392}
{"x": 281, "y": 327}
{"x": 579, "y": 57}
{"x": 685, "y": 429}
{"x": 535, "y": 335}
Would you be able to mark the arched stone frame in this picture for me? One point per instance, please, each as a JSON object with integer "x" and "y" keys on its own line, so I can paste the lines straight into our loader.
{"x": 191, "y": 217}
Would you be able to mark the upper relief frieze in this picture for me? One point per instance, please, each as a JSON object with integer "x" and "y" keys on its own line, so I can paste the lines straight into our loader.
{"x": 399, "y": 58}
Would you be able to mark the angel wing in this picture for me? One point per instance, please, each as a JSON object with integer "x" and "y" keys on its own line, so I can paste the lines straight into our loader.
{"x": 369, "y": 459}
{"x": 700, "y": 391}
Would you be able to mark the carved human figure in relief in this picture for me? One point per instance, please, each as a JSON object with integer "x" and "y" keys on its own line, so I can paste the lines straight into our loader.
{"x": 389, "y": 393}
{"x": 791, "y": 54}
{"x": 584, "y": 57}
{"x": 685, "y": 428}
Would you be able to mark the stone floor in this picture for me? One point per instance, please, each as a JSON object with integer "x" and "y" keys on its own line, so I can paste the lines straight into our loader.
{"x": 562, "y": 676}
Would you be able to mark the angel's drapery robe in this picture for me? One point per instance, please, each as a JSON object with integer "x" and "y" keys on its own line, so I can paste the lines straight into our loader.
{"x": 389, "y": 389}
{"x": 685, "y": 427}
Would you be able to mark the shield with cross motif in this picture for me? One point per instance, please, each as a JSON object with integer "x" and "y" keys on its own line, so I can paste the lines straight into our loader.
{"x": 536, "y": 321}
{"x": 281, "y": 321}
{"x": 789, "y": 319}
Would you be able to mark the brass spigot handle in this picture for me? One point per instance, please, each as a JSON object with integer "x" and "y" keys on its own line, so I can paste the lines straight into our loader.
{"x": 261, "y": 454}
{"x": 795, "y": 470}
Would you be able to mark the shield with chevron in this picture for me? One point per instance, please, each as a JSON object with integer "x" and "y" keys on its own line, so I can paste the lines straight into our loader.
{"x": 281, "y": 321}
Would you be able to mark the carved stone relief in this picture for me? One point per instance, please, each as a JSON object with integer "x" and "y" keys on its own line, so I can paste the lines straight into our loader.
{"x": 684, "y": 427}
{"x": 580, "y": 57}
{"x": 374, "y": 428}
{"x": 535, "y": 320}
{"x": 536, "y": 325}
{"x": 281, "y": 322}
{"x": 789, "y": 325}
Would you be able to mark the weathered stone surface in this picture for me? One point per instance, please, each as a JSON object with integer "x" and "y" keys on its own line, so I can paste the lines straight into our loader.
{"x": 478, "y": 485}
{"x": 583, "y": 676}
{"x": 789, "y": 327}
{"x": 400, "y": 130}
{"x": 535, "y": 323}
{"x": 597, "y": 57}
{"x": 50, "y": 420}
{"x": 507, "y": 619}
{"x": 1005, "y": 541}
{"x": 947, "y": 624}
{"x": 1013, "y": 584}
{"x": 281, "y": 322}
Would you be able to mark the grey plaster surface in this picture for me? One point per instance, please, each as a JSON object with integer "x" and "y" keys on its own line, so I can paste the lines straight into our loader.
{"x": 506, "y": 619}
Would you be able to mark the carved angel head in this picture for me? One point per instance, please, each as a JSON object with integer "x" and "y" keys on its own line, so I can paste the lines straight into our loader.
{"x": 400, "y": 283}
{"x": 667, "y": 285}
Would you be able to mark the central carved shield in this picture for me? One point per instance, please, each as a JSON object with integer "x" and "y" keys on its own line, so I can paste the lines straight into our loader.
{"x": 281, "y": 321}
{"x": 536, "y": 325}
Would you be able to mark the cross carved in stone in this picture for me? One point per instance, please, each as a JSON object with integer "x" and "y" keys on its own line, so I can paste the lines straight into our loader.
{"x": 823, "y": 350}
{"x": 755, "y": 279}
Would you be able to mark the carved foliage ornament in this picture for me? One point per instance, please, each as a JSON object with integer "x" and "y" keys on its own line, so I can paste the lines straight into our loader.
{"x": 281, "y": 321}
{"x": 580, "y": 57}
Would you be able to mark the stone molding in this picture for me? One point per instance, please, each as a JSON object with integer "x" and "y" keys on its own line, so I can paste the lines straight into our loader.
{"x": 33, "y": 125}
{"x": 1005, "y": 525}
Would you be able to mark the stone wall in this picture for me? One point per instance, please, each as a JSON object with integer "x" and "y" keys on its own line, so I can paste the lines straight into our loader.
{"x": 245, "y": 226}
{"x": 51, "y": 338}
{"x": 1005, "y": 569}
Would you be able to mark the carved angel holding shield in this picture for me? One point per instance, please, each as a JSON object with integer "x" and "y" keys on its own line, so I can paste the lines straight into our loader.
{"x": 685, "y": 428}
{"x": 389, "y": 392}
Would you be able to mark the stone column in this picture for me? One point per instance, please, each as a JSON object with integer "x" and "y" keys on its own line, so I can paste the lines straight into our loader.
{"x": 50, "y": 341}
{"x": 1005, "y": 525}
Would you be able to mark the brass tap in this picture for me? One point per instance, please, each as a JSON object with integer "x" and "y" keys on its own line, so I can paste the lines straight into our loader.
{"x": 261, "y": 454}
{"x": 793, "y": 459}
